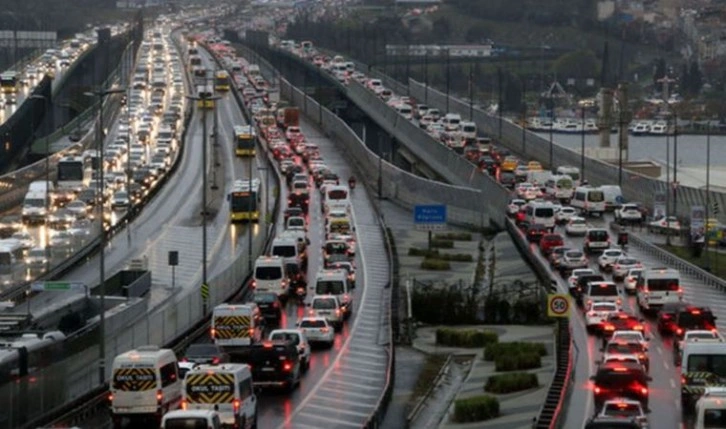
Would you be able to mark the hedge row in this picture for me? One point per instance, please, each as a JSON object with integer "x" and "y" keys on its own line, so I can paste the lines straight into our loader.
{"x": 434, "y": 254}
{"x": 465, "y": 337}
{"x": 512, "y": 382}
{"x": 435, "y": 265}
{"x": 459, "y": 236}
{"x": 476, "y": 409}
{"x": 442, "y": 244}
{"x": 513, "y": 348}
{"x": 518, "y": 362}
{"x": 413, "y": 251}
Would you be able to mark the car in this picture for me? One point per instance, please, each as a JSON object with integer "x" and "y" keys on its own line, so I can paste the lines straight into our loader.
{"x": 564, "y": 215}
{"x": 620, "y": 379}
{"x": 621, "y": 321}
{"x": 572, "y": 259}
{"x": 696, "y": 335}
{"x": 607, "y": 259}
{"x": 527, "y": 191}
{"x": 274, "y": 364}
{"x": 535, "y": 232}
{"x": 666, "y": 318}
{"x": 628, "y": 214}
{"x": 514, "y": 206}
{"x": 205, "y": 353}
{"x": 693, "y": 318}
{"x": 317, "y": 330}
{"x": 297, "y": 337}
{"x": 37, "y": 259}
{"x": 623, "y": 265}
{"x": 631, "y": 279}
{"x": 550, "y": 241}
{"x": 596, "y": 240}
{"x": 669, "y": 224}
{"x": 555, "y": 256}
{"x": 534, "y": 166}
{"x": 613, "y": 423}
{"x": 623, "y": 408}
{"x": 631, "y": 336}
{"x": 575, "y": 274}
{"x": 120, "y": 200}
{"x": 597, "y": 314}
{"x": 61, "y": 240}
{"x": 582, "y": 285}
{"x": 269, "y": 305}
{"x": 620, "y": 347}
{"x": 576, "y": 226}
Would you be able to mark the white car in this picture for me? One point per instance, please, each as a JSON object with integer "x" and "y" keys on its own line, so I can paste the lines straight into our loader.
{"x": 527, "y": 191}
{"x": 628, "y": 213}
{"x": 297, "y": 337}
{"x": 575, "y": 275}
{"x": 631, "y": 280}
{"x": 598, "y": 312}
{"x": 608, "y": 258}
{"x": 120, "y": 200}
{"x": 670, "y": 223}
{"x": 514, "y": 206}
{"x": 576, "y": 226}
{"x": 564, "y": 215}
{"x": 624, "y": 407}
{"x": 573, "y": 259}
{"x": 317, "y": 330}
{"x": 630, "y": 336}
{"x": 623, "y": 265}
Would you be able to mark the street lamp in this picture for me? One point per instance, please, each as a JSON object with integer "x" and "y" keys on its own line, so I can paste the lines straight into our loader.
{"x": 101, "y": 95}
{"x": 47, "y": 182}
{"x": 204, "y": 97}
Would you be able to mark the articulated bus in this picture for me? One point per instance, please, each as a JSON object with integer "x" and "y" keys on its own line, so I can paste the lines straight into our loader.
{"x": 244, "y": 201}
{"x": 221, "y": 80}
{"x": 9, "y": 82}
{"x": 208, "y": 92}
{"x": 245, "y": 140}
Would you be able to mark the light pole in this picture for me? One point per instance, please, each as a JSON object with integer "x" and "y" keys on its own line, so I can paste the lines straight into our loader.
{"x": 582, "y": 141}
{"x": 708, "y": 191}
{"x": 552, "y": 125}
{"x": 46, "y": 232}
{"x": 204, "y": 97}
{"x": 101, "y": 94}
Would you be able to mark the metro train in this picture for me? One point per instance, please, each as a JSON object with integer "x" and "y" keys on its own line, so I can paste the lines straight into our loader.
{"x": 27, "y": 353}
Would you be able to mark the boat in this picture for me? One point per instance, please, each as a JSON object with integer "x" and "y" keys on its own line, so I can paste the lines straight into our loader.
{"x": 659, "y": 128}
{"x": 640, "y": 129}
{"x": 567, "y": 126}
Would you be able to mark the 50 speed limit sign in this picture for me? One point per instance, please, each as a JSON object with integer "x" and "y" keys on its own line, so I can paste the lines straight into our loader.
{"x": 558, "y": 305}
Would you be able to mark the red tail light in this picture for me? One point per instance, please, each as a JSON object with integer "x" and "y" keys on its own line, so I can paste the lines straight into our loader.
{"x": 598, "y": 390}
{"x": 683, "y": 379}
{"x": 638, "y": 327}
{"x": 251, "y": 331}
{"x": 679, "y": 331}
{"x": 212, "y": 332}
{"x": 185, "y": 360}
{"x": 337, "y": 312}
{"x": 287, "y": 366}
{"x": 609, "y": 328}
{"x": 236, "y": 404}
{"x": 184, "y": 405}
{"x": 110, "y": 397}
{"x": 643, "y": 390}
{"x": 215, "y": 360}
{"x": 159, "y": 396}
{"x": 324, "y": 330}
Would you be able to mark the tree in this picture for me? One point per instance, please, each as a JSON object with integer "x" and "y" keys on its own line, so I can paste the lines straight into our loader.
{"x": 442, "y": 28}
{"x": 581, "y": 64}
{"x": 660, "y": 70}
{"x": 695, "y": 79}
{"x": 684, "y": 79}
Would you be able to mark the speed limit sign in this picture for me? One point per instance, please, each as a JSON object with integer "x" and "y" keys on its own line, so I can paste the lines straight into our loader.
{"x": 558, "y": 305}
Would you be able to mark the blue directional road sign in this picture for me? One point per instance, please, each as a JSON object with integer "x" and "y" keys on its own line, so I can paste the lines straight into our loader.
{"x": 429, "y": 217}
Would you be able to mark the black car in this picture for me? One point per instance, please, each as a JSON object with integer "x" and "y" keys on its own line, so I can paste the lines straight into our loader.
{"x": 693, "y": 318}
{"x": 274, "y": 364}
{"x": 205, "y": 353}
{"x": 293, "y": 212}
{"x": 667, "y": 317}
{"x": 507, "y": 179}
{"x": 295, "y": 275}
{"x": 535, "y": 232}
{"x": 488, "y": 164}
{"x": 620, "y": 380}
{"x": 613, "y": 423}
{"x": 269, "y": 305}
{"x": 301, "y": 201}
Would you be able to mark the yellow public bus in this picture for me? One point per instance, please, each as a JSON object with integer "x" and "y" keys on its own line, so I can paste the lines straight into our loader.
{"x": 9, "y": 82}
{"x": 244, "y": 201}
{"x": 221, "y": 81}
{"x": 245, "y": 140}
{"x": 205, "y": 91}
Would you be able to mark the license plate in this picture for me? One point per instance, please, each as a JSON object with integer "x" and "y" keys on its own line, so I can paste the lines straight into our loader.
{"x": 268, "y": 369}
{"x": 324, "y": 313}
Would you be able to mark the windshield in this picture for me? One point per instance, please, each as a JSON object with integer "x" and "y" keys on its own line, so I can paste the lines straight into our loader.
{"x": 268, "y": 273}
{"x": 598, "y": 236}
{"x": 244, "y": 201}
{"x": 186, "y": 423}
{"x": 329, "y": 287}
{"x": 286, "y": 336}
{"x": 544, "y": 212}
{"x": 694, "y": 319}
{"x": 70, "y": 171}
{"x": 603, "y": 289}
{"x": 34, "y": 202}
{"x": 618, "y": 379}
{"x": 324, "y": 304}
{"x": 337, "y": 194}
{"x": 601, "y": 306}
{"x": 202, "y": 350}
{"x": 284, "y": 251}
{"x": 715, "y": 364}
{"x": 595, "y": 196}
{"x": 312, "y": 324}
{"x": 265, "y": 297}
{"x": 714, "y": 418}
{"x": 663, "y": 285}
{"x": 564, "y": 183}
{"x": 622, "y": 348}
{"x": 336, "y": 247}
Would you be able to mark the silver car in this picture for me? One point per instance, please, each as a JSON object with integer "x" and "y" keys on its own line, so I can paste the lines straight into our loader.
{"x": 623, "y": 265}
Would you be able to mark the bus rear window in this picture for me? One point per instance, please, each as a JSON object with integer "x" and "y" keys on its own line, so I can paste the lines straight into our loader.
{"x": 595, "y": 196}
{"x": 268, "y": 273}
{"x": 337, "y": 194}
{"x": 603, "y": 289}
{"x": 715, "y": 364}
{"x": 663, "y": 285}
{"x": 544, "y": 212}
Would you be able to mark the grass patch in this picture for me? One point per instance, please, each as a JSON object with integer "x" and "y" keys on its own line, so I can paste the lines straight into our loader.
{"x": 443, "y": 244}
{"x": 432, "y": 365}
{"x": 711, "y": 261}
{"x": 465, "y": 337}
{"x": 435, "y": 265}
{"x": 459, "y": 236}
{"x": 476, "y": 409}
{"x": 512, "y": 382}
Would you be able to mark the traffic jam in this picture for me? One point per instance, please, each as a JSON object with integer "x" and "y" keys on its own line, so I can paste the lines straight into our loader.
{"x": 253, "y": 345}
{"x": 623, "y": 301}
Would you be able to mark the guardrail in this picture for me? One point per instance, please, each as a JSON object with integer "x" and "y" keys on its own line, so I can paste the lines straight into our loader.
{"x": 673, "y": 261}
{"x": 422, "y": 401}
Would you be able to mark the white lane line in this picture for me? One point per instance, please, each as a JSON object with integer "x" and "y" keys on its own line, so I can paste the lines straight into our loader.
{"x": 339, "y": 410}
{"x": 327, "y": 419}
{"x": 666, "y": 366}
{"x": 673, "y": 383}
{"x": 659, "y": 350}
{"x": 336, "y": 392}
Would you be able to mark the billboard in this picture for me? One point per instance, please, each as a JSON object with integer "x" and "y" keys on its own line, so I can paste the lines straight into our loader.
{"x": 698, "y": 223}
{"x": 659, "y": 205}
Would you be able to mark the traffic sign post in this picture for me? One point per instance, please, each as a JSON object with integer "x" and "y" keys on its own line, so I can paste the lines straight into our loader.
{"x": 58, "y": 286}
{"x": 205, "y": 295}
{"x": 558, "y": 305}
{"x": 430, "y": 217}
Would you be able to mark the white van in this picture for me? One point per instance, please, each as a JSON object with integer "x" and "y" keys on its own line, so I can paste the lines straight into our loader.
{"x": 601, "y": 292}
{"x": 540, "y": 213}
{"x": 404, "y": 110}
{"x": 711, "y": 408}
{"x": 571, "y": 171}
{"x": 560, "y": 187}
{"x": 335, "y": 282}
{"x": 468, "y": 130}
{"x": 286, "y": 247}
{"x": 699, "y": 359}
{"x": 590, "y": 201}
{"x": 269, "y": 276}
{"x": 187, "y": 419}
{"x": 145, "y": 384}
{"x": 235, "y": 325}
{"x": 657, "y": 286}
{"x": 613, "y": 197}
{"x": 336, "y": 197}
{"x": 451, "y": 121}
{"x": 12, "y": 261}
{"x": 226, "y": 389}
{"x": 328, "y": 307}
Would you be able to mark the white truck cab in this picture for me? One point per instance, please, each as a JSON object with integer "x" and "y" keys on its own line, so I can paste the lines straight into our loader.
{"x": 226, "y": 389}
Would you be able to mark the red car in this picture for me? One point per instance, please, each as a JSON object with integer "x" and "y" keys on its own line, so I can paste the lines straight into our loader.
{"x": 622, "y": 322}
{"x": 549, "y": 242}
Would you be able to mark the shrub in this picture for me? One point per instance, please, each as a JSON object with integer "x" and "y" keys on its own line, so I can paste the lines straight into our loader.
{"x": 475, "y": 409}
{"x": 517, "y": 362}
{"x": 435, "y": 264}
{"x": 444, "y": 306}
{"x": 460, "y": 236}
{"x": 413, "y": 251}
{"x": 512, "y": 348}
{"x": 456, "y": 257}
{"x": 512, "y": 382}
{"x": 442, "y": 244}
{"x": 465, "y": 337}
